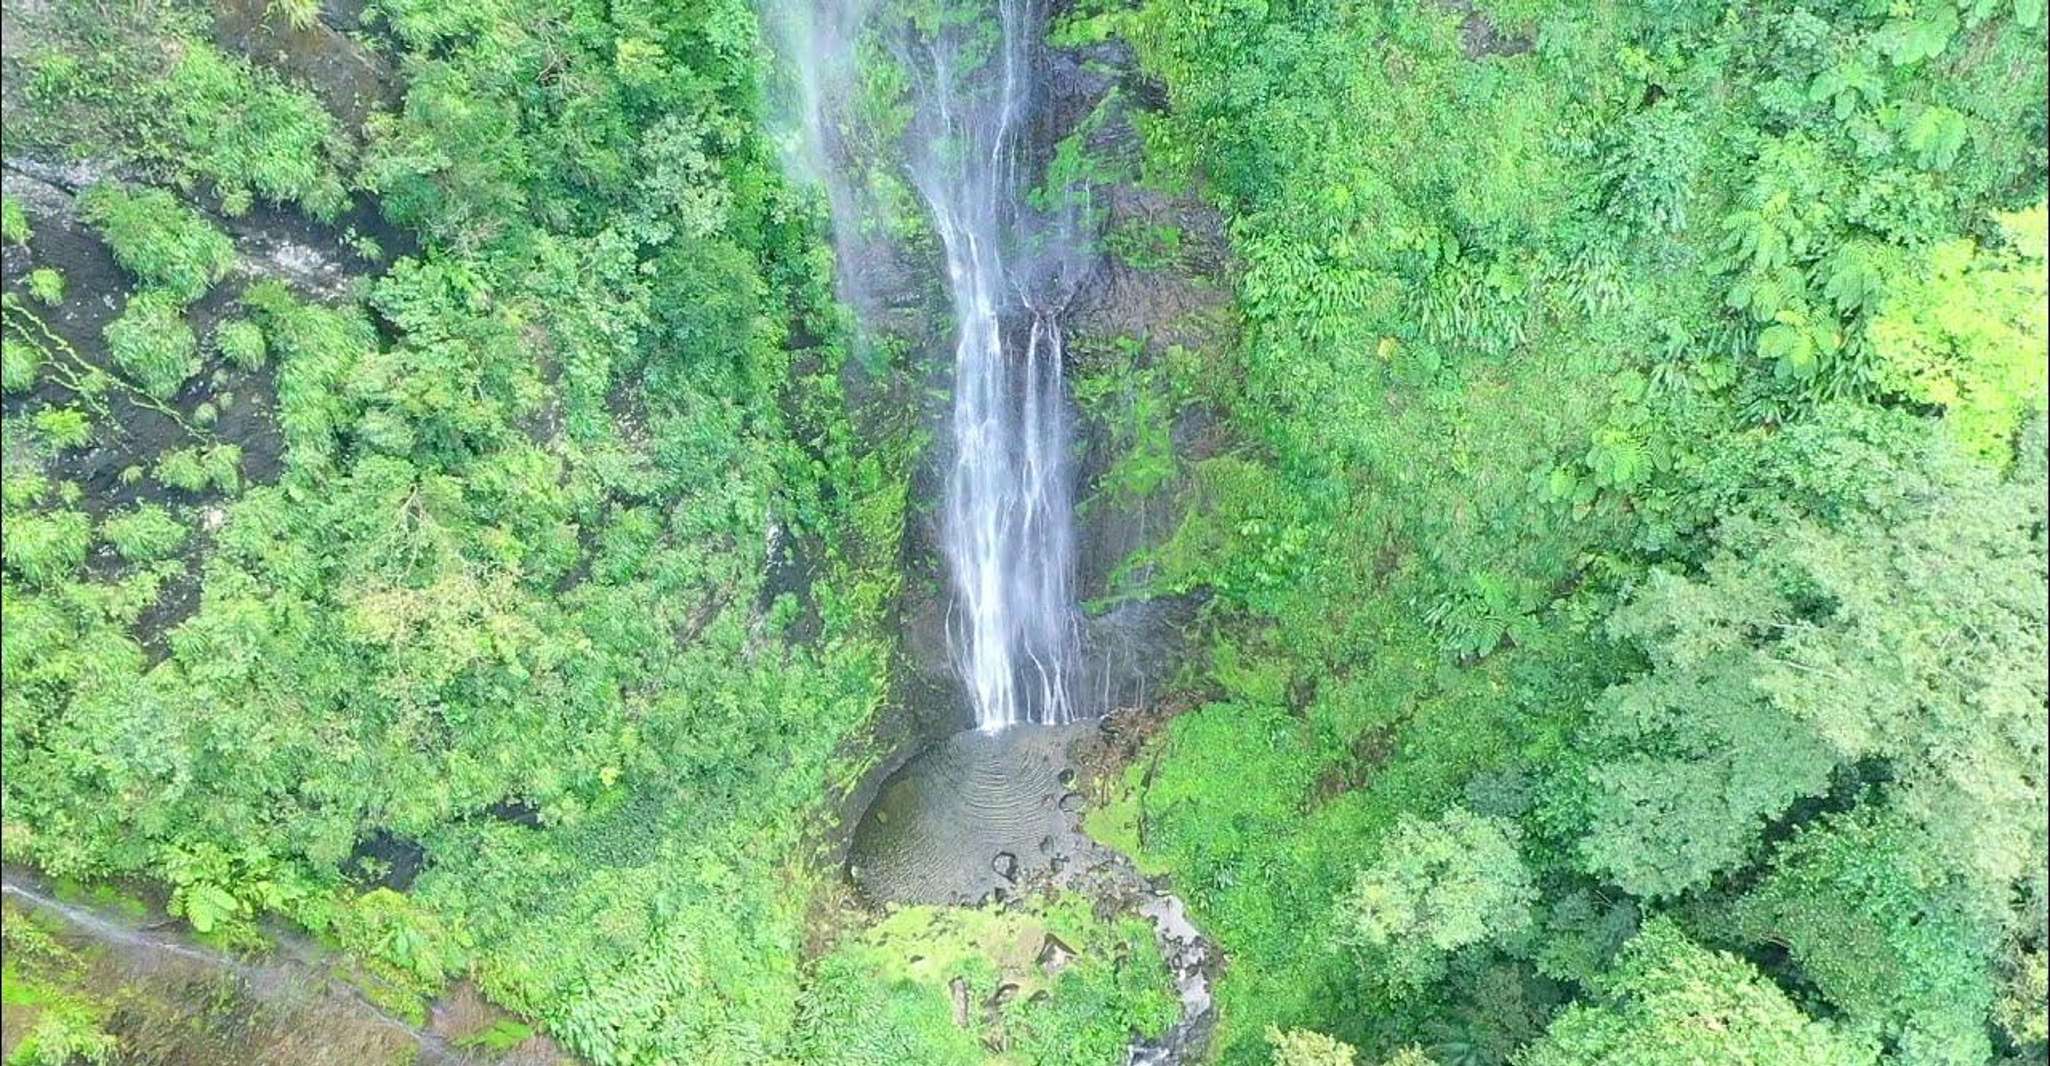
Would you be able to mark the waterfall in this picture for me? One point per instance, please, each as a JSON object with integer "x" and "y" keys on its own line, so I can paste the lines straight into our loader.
{"x": 1007, "y": 524}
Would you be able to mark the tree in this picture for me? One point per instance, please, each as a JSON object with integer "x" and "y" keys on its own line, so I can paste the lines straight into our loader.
{"x": 1670, "y": 1002}
{"x": 1966, "y": 333}
{"x": 1903, "y": 628}
{"x": 1440, "y": 886}
{"x": 1887, "y": 923}
{"x": 1304, "y": 1047}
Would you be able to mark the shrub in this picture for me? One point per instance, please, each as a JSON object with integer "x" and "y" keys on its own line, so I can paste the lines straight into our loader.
{"x": 19, "y": 363}
{"x": 250, "y": 132}
{"x": 144, "y": 534}
{"x": 164, "y": 243}
{"x": 13, "y": 222}
{"x": 241, "y": 342}
{"x": 65, "y": 1032}
{"x": 152, "y": 343}
{"x": 46, "y": 548}
{"x": 47, "y": 285}
{"x": 192, "y": 469}
{"x": 63, "y": 427}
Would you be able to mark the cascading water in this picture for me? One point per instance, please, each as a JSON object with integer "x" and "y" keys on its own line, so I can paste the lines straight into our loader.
{"x": 1008, "y": 533}
{"x": 947, "y": 97}
{"x": 1007, "y": 529}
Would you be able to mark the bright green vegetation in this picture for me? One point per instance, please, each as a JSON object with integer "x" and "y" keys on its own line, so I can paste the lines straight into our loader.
{"x": 63, "y": 1027}
{"x": 152, "y": 343}
{"x": 1655, "y": 997}
{"x": 102, "y": 85}
{"x": 1637, "y": 524}
{"x": 162, "y": 242}
{"x": 13, "y": 222}
{"x": 514, "y": 550}
{"x": 241, "y": 342}
{"x": 1619, "y": 526}
{"x": 46, "y": 285}
{"x": 1047, "y": 985}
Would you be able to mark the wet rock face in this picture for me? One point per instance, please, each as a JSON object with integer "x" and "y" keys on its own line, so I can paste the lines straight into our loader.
{"x": 350, "y": 80}
{"x": 270, "y": 243}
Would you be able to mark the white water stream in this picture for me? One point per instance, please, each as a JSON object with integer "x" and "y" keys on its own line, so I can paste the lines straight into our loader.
{"x": 1008, "y": 522}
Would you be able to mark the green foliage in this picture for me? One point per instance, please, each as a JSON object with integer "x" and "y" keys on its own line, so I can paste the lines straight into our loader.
{"x": 20, "y": 361}
{"x": 1730, "y": 725}
{"x": 851, "y": 1018}
{"x": 1669, "y": 1002}
{"x": 1513, "y": 322}
{"x": 241, "y": 342}
{"x": 63, "y": 428}
{"x": 14, "y": 227}
{"x": 1967, "y": 334}
{"x": 195, "y": 468}
{"x": 1440, "y": 886}
{"x": 890, "y": 995}
{"x": 1135, "y": 404}
{"x": 1895, "y": 931}
{"x": 1496, "y": 609}
{"x": 151, "y": 343}
{"x": 147, "y": 87}
{"x": 46, "y": 285}
{"x": 500, "y": 1036}
{"x": 65, "y": 1033}
{"x": 517, "y": 548}
{"x": 247, "y": 130}
{"x": 1570, "y": 525}
{"x": 168, "y": 246}
{"x": 1303, "y": 1047}
{"x": 2023, "y": 1011}
{"x": 46, "y": 548}
{"x": 145, "y": 534}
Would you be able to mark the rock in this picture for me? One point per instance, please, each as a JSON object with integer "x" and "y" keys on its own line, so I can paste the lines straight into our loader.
{"x": 1004, "y": 994}
{"x": 1071, "y": 802}
{"x": 1054, "y": 956}
{"x": 1045, "y": 844}
{"x": 959, "y": 988}
{"x": 1005, "y": 864}
{"x": 1067, "y": 777}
